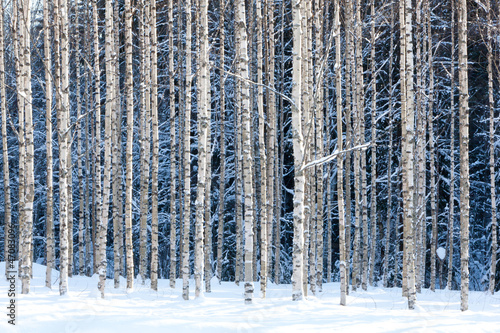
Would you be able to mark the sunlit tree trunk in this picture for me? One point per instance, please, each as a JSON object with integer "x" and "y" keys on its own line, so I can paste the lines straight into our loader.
{"x": 340, "y": 160}
{"x": 156, "y": 147}
{"x": 49, "y": 227}
{"x": 408, "y": 124}
{"x": 145, "y": 107}
{"x": 464, "y": 154}
{"x": 187, "y": 159}
{"x": 110, "y": 95}
{"x": 263, "y": 159}
{"x": 203, "y": 147}
{"x": 129, "y": 97}
{"x": 298, "y": 153}
{"x": 247, "y": 166}
{"x": 64, "y": 141}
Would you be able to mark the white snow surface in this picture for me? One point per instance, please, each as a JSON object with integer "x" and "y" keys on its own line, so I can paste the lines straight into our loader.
{"x": 223, "y": 310}
{"x": 441, "y": 252}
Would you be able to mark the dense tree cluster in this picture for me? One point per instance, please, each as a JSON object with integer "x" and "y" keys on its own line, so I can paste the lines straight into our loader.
{"x": 279, "y": 141}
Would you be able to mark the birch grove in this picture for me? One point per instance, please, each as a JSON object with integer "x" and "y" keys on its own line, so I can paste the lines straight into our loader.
{"x": 257, "y": 142}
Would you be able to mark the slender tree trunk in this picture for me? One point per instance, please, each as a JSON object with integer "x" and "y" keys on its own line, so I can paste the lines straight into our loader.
{"x": 247, "y": 148}
{"x": 408, "y": 163}
{"x": 451, "y": 218}
{"x": 222, "y": 142}
{"x": 62, "y": 67}
{"x": 340, "y": 160}
{"x": 110, "y": 95}
{"x": 50, "y": 255}
{"x": 373, "y": 203}
{"x": 129, "y": 92}
{"x": 349, "y": 62}
{"x": 116, "y": 160}
{"x": 271, "y": 137}
{"x": 389, "y": 159}
{"x": 491, "y": 105}
{"x": 173, "y": 222}
{"x": 156, "y": 147}
{"x": 187, "y": 159}
{"x": 432, "y": 148}
{"x": 145, "y": 106}
{"x": 464, "y": 155}
{"x": 80, "y": 113}
{"x": 298, "y": 152}
{"x": 263, "y": 159}
{"x": 203, "y": 147}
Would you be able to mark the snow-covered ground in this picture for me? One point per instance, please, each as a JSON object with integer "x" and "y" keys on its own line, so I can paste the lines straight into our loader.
{"x": 223, "y": 310}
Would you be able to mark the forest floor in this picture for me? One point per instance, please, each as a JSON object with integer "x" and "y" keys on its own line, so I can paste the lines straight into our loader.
{"x": 223, "y": 310}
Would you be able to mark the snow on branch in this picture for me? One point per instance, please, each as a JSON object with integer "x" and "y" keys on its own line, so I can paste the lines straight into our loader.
{"x": 328, "y": 158}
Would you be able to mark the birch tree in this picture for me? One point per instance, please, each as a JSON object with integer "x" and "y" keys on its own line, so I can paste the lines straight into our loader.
{"x": 129, "y": 87}
{"x": 203, "y": 132}
{"x": 492, "y": 153}
{"x": 298, "y": 154}
{"x": 247, "y": 166}
{"x": 464, "y": 154}
{"x": 5, "y": 153}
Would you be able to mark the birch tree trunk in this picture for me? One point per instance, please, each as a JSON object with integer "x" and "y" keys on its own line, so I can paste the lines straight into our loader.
{"x": 340, "y": 160}
{"x": 389, "y": 159}
{"x": 156, "y": 146}
{"x": 187, "y": 159}
{"x": 116, "y": 156}
{"x": 432, "y": 148}
{"x": 110, "y": 95}
{"x": 97, "y": 144}
{"x": 271, "y": 138}
{"x": 173, "y": 222}
{"x": 5, "y": 154}
{"x": 464, "y": 155}
{"x": 491, "y": 105}
{"x": 48, "y": 142}
{"x": 373, "y": 203}
{"x": 298, "y": 154}
{"x": 263, "y": 159}
{"x": 449, "y": 285}
{"x": 64, "y": 142}
{"x": 203, "y": 132}
{"x": 145, "y": 46}
{"x": 222, "y": 141}
{"x": 408, "y": 120}
{"x": 247, "y": 166}
{"x": 129, "y": 92}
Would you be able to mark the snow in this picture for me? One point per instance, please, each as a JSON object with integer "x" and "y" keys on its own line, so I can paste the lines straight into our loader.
{"x": 143, "y": 310}
{"x": 441, "y": 252}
